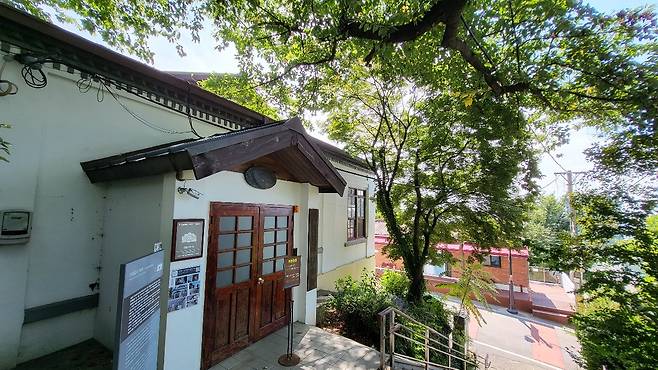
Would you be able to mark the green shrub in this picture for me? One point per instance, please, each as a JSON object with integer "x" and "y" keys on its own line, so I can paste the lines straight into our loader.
{"x": 617, "y": 336}
{"x": 354, "y": 308}
{"x": 395, "y": 283}
{"x": 431, "y": 312}
{"x": 356, "y": 304}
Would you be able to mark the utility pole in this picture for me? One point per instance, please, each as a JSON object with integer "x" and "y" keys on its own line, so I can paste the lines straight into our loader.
{"x": 571, "y": 177}
{"x": 512, "y": 307}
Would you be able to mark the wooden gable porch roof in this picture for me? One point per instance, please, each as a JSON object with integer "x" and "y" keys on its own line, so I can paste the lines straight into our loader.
{"x": 285, "y": 146}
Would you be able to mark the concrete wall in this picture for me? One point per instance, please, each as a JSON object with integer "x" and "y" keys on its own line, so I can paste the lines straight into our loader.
{"x": 132, "y": 226}
{"x": 53, "y": 130}
{"x": 327, "y": 281}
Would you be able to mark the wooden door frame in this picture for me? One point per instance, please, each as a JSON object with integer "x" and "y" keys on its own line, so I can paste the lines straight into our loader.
{"x": 209, "y": 307}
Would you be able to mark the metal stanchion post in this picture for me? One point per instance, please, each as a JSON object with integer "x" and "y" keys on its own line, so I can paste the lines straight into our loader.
{"x": 289, "y": 359}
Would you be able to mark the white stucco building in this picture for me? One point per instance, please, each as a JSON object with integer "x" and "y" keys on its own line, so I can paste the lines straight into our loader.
{"x": 103, "y": 156}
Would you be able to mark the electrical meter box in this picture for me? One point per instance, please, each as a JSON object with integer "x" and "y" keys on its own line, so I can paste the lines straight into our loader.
{"x": 16, "y": 226}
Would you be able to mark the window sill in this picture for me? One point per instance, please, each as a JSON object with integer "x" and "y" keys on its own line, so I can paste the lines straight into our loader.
{"x": 355, "y": 242}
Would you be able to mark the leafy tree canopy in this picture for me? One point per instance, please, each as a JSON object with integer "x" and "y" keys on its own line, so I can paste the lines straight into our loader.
{"x": 561, "y": 59}
{"x": 545, "y": 231}
{"x": 236, "y": 87}
{"x": 443, "y": 171}
{"x": 617, "y": 246}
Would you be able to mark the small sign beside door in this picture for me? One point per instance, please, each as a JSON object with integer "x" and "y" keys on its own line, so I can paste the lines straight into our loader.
{"x": 291, "y": 271}
{"x": 187, "y": 239}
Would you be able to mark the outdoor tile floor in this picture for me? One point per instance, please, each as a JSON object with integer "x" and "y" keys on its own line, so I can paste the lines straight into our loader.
{"x": 318, "y": 349}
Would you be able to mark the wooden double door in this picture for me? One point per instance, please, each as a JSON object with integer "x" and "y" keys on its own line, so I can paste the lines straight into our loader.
{"x": 245, "y": 299}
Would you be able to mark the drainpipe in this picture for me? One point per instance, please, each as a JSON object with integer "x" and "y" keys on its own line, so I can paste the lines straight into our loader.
{"x": 511, "y": 309}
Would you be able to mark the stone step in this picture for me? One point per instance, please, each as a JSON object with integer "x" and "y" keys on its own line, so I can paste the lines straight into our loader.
{"x": 551, "y": 316}
{"x": 552, "y": 309}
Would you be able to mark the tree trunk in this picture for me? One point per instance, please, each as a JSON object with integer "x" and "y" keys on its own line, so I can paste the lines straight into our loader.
{"x": 416, "y": 282}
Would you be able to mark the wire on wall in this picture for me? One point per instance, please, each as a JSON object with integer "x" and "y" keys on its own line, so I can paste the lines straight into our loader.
{"x": 85, "y": 84}
{"x": 11, "y": 88}
{"x": 189, "y": 113}
{"x": 34, "y": 77}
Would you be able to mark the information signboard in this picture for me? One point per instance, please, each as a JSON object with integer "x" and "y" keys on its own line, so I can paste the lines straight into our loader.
{"x": 291, "y": 271}
{"x": 187, "y": 239}
{"x": 138, "y": 313}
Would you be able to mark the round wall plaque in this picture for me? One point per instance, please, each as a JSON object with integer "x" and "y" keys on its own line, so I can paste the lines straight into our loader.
{"x": 260, "y": 177}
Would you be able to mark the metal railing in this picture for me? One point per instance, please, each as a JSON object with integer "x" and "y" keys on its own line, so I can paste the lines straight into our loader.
{"x": 395, "y": 324}
{"x": 544, "y": 275}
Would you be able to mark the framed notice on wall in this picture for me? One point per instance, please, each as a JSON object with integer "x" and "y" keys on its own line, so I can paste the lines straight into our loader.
{"x": 187, "y": 241}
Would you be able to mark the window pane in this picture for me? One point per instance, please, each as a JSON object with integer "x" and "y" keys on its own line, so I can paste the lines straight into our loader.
{"x": 280, "y": 250}
{"x": 226, "y": 223}
{"x": 242, "y": 256}
{"x": 361, "y": 207}
{"x": 242, "y": 274}
{"x": 226, "y": 241}
{"x": 282, "y": 235}
{"x": 267, "y": 267}
{"x": 268, "y": 252}
{"x": 224, "y": 278}
{"x": 225, "y": 260}
{"x": 268, "y": 237}
{"x": 244, "y": 223}
{"x": 244, "y": 240}
{"x": 279, "y": 264}
{"x": 495, "y": 261}
{"x": 269, "y": 222}
{"x": 282, "y": 221}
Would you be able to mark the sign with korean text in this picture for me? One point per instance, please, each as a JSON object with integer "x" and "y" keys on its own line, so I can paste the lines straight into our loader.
{"x": 138, "y": 313}
{"x": 291, "y": 271}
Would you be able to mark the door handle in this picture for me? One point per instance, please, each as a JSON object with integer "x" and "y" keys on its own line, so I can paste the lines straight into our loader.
{"x": 260, "y": 281}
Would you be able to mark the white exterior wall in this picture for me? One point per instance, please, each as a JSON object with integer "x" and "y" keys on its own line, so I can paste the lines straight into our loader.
{"x": 333, "y": 224}
{"x": 53, "y": 130}
{"x": 82, "y": 231}
{"x": 185, "y": 327}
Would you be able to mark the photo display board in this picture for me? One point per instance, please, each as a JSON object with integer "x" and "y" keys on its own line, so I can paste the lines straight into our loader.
{"x": 138, "y": 313}
{"x": 184, "y": 287}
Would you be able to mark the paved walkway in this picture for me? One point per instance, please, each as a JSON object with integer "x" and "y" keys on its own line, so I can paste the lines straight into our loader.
{"x": 552, "y": 296}
{"x": 523, "y": 342}
{"x": 318, "y": 349}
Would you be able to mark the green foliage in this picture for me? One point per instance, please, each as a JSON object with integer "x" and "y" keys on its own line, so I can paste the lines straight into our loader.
{"x": 429, "y": 311}
{"x": 473, "y": 284}
{"x": 238, "y": 88}
{"x": 441, "y": 172}
{"x": 545, "y": 232}
{"x": 126, "y": 25}
{"x": 357, "y": 304}
{"x": 394, "y": 283}
{"x": 617, "y": 336}
{"x": 617, "y": 246}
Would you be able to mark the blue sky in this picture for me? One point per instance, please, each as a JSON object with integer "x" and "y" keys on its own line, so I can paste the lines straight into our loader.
{"x": 203, "y": 57}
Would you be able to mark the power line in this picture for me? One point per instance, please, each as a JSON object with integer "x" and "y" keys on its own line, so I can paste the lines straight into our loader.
{"x": 546, "y": 150}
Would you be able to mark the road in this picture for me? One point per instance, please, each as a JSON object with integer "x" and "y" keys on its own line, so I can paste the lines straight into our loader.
{"x": 520, "y": 342}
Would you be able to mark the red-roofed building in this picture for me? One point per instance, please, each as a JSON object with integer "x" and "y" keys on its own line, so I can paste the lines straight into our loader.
{"x": 496, "y": 263}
